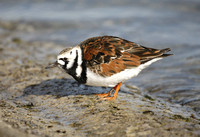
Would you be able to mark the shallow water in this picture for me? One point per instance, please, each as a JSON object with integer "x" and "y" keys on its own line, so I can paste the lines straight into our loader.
{"x": 171, "y": 23}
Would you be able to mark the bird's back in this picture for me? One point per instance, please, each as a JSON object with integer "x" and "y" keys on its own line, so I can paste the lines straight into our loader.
{"x": 109, "y": 55}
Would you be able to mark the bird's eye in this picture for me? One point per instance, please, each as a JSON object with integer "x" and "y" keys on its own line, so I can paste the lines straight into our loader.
{"x": 61, "y": 59}
{"x": 65, "y": 60}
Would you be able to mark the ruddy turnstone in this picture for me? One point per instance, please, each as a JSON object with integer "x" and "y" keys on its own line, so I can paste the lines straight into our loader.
{"x": 107, "y": 61}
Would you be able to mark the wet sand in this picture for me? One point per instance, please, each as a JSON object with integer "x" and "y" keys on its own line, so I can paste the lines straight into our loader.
{"x": 39, "y": 102}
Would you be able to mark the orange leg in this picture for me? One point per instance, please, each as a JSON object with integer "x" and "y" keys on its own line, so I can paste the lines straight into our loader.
{"x": 106, "y": 96}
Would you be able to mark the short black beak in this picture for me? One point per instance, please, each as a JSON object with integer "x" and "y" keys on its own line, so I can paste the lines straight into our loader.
{"x": 52, "y": 65}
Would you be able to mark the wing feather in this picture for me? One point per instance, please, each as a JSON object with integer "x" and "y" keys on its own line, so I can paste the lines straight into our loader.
{"x": 108, "y": 55}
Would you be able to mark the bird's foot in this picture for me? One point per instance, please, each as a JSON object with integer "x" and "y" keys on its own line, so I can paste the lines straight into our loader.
{"x": 103, "y": 95}
{"x": 108, "y": 98}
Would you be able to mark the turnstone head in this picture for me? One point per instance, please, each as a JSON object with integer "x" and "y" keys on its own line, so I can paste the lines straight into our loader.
{"x": 107, "y": 61}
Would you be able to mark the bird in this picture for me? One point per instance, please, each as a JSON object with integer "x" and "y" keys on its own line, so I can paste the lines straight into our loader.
{"x": 106, "y": 61}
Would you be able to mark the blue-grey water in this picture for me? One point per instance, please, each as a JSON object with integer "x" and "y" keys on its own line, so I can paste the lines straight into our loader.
{"x": 171, "y": 24}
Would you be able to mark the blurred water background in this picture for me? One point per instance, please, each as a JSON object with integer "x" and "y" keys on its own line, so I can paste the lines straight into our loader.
{"x": 171, "y": 24}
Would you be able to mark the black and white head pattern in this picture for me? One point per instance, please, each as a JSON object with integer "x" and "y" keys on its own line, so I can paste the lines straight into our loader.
{"x": 72, "y": 62}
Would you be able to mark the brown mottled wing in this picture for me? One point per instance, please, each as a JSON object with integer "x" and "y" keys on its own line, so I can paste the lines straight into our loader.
{"x": 108, "y": 55}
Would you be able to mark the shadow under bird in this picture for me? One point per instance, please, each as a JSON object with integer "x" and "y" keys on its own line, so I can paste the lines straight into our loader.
{"x": 106, "y": 61}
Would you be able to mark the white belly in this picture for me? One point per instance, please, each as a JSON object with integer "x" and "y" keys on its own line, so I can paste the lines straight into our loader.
{"x": 94, "y": 79}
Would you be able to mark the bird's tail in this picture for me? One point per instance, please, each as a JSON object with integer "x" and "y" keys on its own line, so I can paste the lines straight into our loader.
{"x": 163, "y": 51}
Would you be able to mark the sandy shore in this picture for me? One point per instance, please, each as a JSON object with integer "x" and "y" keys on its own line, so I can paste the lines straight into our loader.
{"x": 39, "y": 102}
